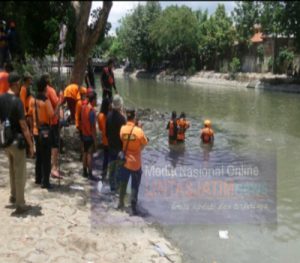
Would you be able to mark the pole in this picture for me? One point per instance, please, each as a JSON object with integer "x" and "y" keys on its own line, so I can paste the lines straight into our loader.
{"x": 62, "y": 38}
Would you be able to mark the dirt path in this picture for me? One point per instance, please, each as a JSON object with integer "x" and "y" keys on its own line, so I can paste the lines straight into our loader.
{"x": 63, "y": 227}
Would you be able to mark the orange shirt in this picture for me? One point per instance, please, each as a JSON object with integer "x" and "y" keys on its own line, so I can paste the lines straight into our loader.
{"x": 182, "y": 125}
{"x": 29, "y": 100}
{"x": 87, "y": 127}
{"x": 207, "y": 134}
{"x": 45, "y": 113}
{"x": 23, "y": 96}
{"x": 25, "y": 99}
{"x": 72, "y": 91}
{"x": 136, "y": 141}
{"x": 78, "y": 113}
{"x": 102, "y": 127}
{"x": 4, "y": 85}
{"x": 52, "y": 96}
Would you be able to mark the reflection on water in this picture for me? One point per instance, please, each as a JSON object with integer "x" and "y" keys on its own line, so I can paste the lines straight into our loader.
{"x": 244, "y": 121}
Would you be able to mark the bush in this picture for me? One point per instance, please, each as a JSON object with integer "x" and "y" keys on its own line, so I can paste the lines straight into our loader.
{"x": 285, "y": 56}
{"x": 235, "y": 65}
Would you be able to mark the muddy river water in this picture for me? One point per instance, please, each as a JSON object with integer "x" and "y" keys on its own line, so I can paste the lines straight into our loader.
{"x": 252, "y": 129}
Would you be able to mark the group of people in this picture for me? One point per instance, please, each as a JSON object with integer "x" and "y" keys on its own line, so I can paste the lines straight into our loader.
{"x": 177, "y": 128}
{"x": 35, "y": 123}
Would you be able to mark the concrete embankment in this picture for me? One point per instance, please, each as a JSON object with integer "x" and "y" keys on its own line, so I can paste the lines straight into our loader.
{"x": 260, "y": 81}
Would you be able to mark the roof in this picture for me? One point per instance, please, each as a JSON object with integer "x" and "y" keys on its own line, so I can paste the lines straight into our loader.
{"x": 257, "y": 38}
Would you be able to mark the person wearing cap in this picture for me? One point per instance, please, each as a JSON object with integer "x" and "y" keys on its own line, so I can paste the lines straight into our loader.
{"x": 134, "y": 141}
{"x": 115, "y": 120}
{"x": 71, "y": 95}
{"x": 42, "y": 112}
{"x": 11, "y": 108}
{"x": 88, "y": 126}
{"x": 4, "y": 85}
{"x": 108, "y": 80}
{"x": 51, "y": 94}
{"x": 82, "y": 101}
{"x": 207, "y": 133}
{"x": 182, "y": 126}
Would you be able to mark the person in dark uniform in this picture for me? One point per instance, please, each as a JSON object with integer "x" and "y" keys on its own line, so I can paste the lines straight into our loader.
{"x": 108, "y": 80}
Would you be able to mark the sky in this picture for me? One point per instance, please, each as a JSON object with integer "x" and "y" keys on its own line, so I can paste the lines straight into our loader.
{"x": 120, "y": 8}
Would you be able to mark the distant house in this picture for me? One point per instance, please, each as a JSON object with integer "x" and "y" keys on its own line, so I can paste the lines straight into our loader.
{"x": 262, "y": 50}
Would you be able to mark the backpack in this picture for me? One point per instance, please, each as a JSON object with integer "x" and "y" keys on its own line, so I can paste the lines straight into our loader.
{"x": 7, "y": 135}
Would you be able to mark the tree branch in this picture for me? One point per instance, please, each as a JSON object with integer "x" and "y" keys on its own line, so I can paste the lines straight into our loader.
{"x": 76, "y": 6}
{"x": 101, "y": 22}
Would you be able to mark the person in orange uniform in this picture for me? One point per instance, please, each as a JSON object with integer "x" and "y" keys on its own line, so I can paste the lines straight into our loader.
{"x": 4, "y": 85}
{"x": 134, "y": 141}
{"x": 54, "y": 125}
{"x": 42, "y": 113}
{"x": 71, "y": 95}
{"x": 105, "y": 107}
{"x": 172, "y": 128}
{"x": 182, "y": 126}
{"x": 82, "y": 101}
{"x": 26, "y": 98}
{"x": 88, "y": 126}
{"x": 207, "y": 133}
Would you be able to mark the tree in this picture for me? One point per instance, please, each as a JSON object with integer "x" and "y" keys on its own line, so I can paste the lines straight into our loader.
{"x": 217, "y": 37}
{"x": 291, "y": 20}
{"x": 134, "y": 34}
{"x": 175, "y": 32}
{"x": 272, "y": 14}
{"x": 87, "y": 35}
{"x": 37, "y": 25}
{"x": 245, "y": 15}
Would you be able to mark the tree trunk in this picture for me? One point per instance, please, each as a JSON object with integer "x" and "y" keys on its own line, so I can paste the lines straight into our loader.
{"x": 86, "y": 36}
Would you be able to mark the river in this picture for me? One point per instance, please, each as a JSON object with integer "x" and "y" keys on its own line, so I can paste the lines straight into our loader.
{"x": 245, "y": 121}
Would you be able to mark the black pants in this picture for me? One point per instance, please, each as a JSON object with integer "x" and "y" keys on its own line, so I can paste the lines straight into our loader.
{"x": 107, "y": 94}
{"x": 105, "y": 159}
{"x": 42, "y": 161}
{"x": 135, "y": 184}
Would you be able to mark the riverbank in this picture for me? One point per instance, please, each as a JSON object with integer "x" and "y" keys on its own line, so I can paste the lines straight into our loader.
{"x": 260, "y": 81}
{"x": 60, "y": 226}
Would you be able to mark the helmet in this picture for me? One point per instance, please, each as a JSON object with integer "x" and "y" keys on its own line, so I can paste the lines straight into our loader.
{"x": 207, "y": 123}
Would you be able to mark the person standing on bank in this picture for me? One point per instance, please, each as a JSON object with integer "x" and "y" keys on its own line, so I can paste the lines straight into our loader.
{"x": 54, "y": 125}
{"x": 115, "y": 120}
{"x": 108, "y": 80}
{"x": 42, "y": 113}
{"x": 105, "y": 108}
{"x": 134, "y": 141}
{"x": 11, "y": 108}
{"x": 88, "y": 125}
